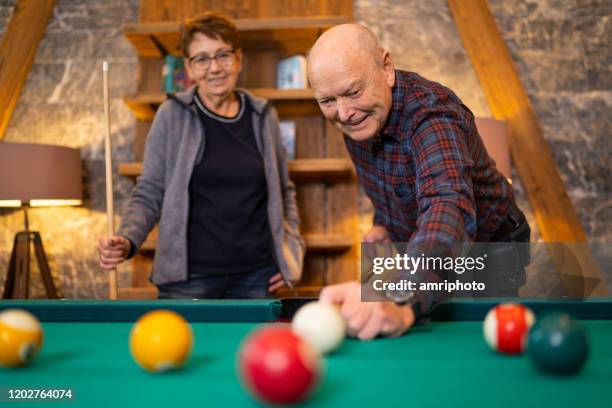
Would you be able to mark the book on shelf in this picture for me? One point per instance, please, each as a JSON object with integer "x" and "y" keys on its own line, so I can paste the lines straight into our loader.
{"x": 287, "y": 128}
{"x": 291, "y": 73}
{"x": 175, "y": 77}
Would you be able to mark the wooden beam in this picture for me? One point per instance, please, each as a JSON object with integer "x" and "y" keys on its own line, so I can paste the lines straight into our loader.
{"x": 508, "y": 100}
{"x": 17, "y": 49}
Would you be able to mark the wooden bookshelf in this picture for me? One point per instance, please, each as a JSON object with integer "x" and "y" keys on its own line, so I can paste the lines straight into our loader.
{"x": 328, "y": 242}
{"x": 290, "y": 34}
{"x": 299, "y": 169}
{"x": 144, "y": 105}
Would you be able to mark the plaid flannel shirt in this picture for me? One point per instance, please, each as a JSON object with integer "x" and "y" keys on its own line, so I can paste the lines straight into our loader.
{"x": 428, "y": 174}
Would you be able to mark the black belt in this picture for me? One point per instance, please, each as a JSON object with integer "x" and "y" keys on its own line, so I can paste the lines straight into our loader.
{"x": 515, "y": 219}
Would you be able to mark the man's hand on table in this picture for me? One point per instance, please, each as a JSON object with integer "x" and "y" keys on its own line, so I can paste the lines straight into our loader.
{"x": 367, "y": 320}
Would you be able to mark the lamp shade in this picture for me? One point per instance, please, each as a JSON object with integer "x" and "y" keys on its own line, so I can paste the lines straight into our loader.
{"x": 494, "y": 134}
{"x": 39, "y": 174}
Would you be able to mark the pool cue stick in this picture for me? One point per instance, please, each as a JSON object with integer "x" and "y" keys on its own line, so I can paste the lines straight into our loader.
{"x": 110, "y": 208}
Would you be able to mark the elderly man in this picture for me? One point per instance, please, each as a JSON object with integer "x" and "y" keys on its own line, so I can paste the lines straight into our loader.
{"x": 418, "y": 157}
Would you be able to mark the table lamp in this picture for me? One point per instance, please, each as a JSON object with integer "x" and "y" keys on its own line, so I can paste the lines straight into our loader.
{"x": 35, "y": 175}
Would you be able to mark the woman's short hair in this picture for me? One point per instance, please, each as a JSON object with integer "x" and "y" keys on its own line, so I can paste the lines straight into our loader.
{"x": 212, "y": 25}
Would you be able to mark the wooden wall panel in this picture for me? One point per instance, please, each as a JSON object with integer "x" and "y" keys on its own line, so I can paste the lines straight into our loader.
{"x": 311, "y": 196}
{"x": 150, "y": 75}
{"x": 142, "y": 131}
{"x": 343, "y": 213}
{"x": 259, "y": 69}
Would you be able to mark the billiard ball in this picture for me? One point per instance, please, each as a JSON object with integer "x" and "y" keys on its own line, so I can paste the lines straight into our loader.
{"x": 21, "y": 337}
{"x": 321, "y": 325}
{"x": 278, "y": 367}
{"x": 558, "y": 344}
{"x": 161, "y": 340}
{"x": 506, "y": 326}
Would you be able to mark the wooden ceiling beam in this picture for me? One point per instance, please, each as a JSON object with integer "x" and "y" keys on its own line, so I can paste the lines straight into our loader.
{"x": 17, "y": 49}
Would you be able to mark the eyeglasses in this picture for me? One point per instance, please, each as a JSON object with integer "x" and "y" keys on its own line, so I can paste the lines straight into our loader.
{"x": 202, "y": 62}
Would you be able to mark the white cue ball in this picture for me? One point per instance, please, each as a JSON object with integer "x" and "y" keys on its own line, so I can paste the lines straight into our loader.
{"x": 321, "y": 325}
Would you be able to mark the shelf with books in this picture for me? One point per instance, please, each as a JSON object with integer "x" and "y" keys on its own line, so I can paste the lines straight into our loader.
{"x": 144, "y": 105}
{"x": 299, "y": 169}
{"x": 291, "y": 34}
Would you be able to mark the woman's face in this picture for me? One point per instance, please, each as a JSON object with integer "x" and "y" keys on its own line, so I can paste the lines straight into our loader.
{"x": 214, "y": 65}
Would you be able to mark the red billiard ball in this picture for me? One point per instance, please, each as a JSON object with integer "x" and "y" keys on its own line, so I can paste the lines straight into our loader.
{"x": 278, "y": 367}
{"x": 506, "y": 326}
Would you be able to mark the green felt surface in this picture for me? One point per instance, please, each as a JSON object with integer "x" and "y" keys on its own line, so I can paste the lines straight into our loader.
{"x": 442, "y": 364}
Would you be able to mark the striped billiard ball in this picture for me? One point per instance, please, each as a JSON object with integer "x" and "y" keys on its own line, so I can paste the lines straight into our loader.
{"x": 506, "y": 327}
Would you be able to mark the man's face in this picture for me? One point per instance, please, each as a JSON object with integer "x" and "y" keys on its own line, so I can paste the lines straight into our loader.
{"x": 354, "y": 94}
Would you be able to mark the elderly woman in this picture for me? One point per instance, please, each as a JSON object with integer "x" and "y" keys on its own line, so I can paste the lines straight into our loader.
{"x": 215, "y": 178}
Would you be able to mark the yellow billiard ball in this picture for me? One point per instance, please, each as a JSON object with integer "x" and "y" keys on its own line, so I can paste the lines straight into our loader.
{"x": 21, "y": 336}
{"x": 161, "y": 340}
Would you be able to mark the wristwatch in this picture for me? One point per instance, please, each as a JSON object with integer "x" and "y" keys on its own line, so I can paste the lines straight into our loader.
{"x": 405, "y": 297}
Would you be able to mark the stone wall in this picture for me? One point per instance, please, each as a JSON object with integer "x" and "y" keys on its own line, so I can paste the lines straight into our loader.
{"x": 61, "y": 103}
{"x": 6, "y": 11}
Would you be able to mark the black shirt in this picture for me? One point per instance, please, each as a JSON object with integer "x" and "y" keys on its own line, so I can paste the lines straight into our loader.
{"x": 228, "y": 221}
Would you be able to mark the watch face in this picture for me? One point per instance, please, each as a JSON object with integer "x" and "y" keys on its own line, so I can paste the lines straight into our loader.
{"x": 400, "y": 296}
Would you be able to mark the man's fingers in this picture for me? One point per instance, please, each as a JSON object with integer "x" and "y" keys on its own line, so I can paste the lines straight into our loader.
{"x": 335, "y": 294}
{"x": 373, "y": 327}
{"x": 352, "y": 302}
{"x": 359, "y": 319}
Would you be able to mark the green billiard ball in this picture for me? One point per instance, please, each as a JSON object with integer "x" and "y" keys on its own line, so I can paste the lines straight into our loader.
{"x": 558, "y": 344}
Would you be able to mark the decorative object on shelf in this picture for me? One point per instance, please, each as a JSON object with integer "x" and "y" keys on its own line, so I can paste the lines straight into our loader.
{"x": 287, "y": 128}
{"x": 175, "y": 75}
{"x": 35, "y": 175}
{"x": 291, "y": 73}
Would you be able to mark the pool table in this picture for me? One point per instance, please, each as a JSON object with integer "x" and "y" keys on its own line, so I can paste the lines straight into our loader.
{"x": 445, "y": 363}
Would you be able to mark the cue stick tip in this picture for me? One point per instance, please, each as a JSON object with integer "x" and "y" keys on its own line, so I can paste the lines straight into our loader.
{"x": 105, "y": 66}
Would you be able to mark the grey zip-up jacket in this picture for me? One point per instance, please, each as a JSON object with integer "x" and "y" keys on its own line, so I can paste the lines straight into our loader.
{"x": 175, "y": 144}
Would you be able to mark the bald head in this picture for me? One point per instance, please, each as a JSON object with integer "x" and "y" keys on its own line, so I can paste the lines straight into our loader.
{"x": 347, "y": 41}
{"x": 351, "y": 76}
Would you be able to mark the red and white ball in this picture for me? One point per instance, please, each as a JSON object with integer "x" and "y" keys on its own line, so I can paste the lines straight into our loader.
{"x": 277, "y": 366}
{"x": 506, "y": 327}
